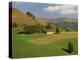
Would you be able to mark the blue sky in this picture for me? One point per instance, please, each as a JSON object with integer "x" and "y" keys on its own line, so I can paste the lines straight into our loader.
{"x": 47, "y": 10}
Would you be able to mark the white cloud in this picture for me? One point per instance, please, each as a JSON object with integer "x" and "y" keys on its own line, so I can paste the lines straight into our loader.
{"x": 63, "y": 9}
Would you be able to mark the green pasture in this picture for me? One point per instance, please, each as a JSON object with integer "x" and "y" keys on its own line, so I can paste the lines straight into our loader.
{"x": 22, "y": 48}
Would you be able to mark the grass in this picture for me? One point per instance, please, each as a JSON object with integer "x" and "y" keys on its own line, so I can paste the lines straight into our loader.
{"x": 23, "y": 48}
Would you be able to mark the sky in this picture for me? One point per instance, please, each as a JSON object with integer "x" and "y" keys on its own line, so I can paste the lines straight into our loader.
{"x": 44, "y": 10}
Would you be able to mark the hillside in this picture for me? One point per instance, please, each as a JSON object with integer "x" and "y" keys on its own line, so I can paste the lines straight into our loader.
{"x": 22, "y": 19}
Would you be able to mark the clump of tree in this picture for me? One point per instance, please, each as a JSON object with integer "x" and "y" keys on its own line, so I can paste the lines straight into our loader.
{"x": 33, "y": 29}
{"x": 30, "y": 15}
{"x": 70, "y": 48}
{"x": 57, "y": 29}
{"x": 29, "y": 29}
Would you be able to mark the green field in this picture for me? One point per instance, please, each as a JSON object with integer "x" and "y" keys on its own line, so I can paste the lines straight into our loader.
{"x": 39, "y": 45}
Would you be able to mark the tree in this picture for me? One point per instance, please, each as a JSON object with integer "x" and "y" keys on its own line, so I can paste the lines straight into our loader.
{"x": 48, "y": 26}
{"x": 57, "y": 29}
{"x": 30, "y": 15}
{"x": 70, "y": 48}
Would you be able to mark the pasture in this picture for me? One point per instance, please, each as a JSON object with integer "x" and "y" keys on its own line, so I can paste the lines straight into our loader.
{"x": 39, "y": 45}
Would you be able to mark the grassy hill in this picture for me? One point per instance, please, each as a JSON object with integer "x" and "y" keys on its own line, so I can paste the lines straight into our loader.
{"x": 21, "y": 19}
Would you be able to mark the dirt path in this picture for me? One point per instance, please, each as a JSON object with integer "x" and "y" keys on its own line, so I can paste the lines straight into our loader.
{"x": 53, "y": 37}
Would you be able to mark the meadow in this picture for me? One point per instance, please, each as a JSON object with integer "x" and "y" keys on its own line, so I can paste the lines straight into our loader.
{"x": 40, "y": 45}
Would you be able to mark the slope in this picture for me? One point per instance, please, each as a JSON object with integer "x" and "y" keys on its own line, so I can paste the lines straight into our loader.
{"x": 21, "y": 19}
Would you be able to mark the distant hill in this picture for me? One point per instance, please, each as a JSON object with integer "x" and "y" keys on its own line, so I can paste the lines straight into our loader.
{"x": 62, "y": 19}
{"x": 65, "y": 22}
{"x": 22, "y": 19}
